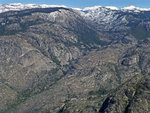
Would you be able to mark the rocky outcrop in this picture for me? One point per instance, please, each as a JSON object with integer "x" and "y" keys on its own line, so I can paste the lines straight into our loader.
{"x": 131, "y": 97}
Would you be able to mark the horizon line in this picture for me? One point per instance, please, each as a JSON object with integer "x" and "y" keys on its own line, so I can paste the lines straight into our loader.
{"x": 107, "y": 6}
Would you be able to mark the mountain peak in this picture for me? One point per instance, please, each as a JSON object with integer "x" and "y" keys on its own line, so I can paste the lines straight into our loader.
{"x": 132, "y": 7}
{"x": 19, "y": 6}
{"x": 91, "y": 8}
{"x": 112, "y": 7}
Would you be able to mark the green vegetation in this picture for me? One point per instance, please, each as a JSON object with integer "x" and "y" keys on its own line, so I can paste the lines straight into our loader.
{"x": 18, "y": 16}
{"x": 18, "y": 101}
{"x": 140, "y": 33}
{"x": 101, "y": 91}
{"x": 62, "y": 110}
{"x": 54, "y": 59}
{"x": 87, "y": 35}
{"x": 24, "y": 95}
{"x": 23, "y": 27}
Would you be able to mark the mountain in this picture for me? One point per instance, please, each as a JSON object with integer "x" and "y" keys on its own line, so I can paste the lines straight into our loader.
{"x": 135, "y": 9}
{"x": 19, "y": 6}
{"x": 63, "y": 60}
{"x": 119, "y": 23}
{"x": 38, "y": 47}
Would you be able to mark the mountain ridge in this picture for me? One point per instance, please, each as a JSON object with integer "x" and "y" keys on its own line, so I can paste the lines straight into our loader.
{"x": 20, "y": 6}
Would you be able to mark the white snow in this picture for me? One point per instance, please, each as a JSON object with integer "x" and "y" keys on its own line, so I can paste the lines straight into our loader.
{"x": 133, "y": 8}
{"x": 130, "y": 8}
{"x": 77, "y": 9}
{"x": 91, "y": 8}
{"x": 47, "y": 6}
{"x": 112, "y": 7}
{"x": 19, "y": 6}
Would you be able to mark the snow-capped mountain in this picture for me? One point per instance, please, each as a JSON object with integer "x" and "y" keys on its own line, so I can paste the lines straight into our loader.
{"x": 133, "y": 8}
{"x": 108, "y": 13}
{"x": 110, "y": 18}
{"x": 96, "y": 7}
{"x": 19, "y": 6}
{"x": 103, "y": 14}
{"x": 106, "y": 18}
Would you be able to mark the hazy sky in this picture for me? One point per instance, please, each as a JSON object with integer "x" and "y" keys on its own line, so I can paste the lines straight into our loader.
{"x": 84, "y": 3}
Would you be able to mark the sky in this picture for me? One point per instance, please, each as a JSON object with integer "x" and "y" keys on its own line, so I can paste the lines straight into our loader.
{"x": 84, "y": 3}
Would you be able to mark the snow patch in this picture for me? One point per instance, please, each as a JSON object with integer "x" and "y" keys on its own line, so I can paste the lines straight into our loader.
{"x": 112, "y": 7}
{"x": 133, "y": 8}
{"x": 91, "y": 8}
{"x": 77, "y": 9}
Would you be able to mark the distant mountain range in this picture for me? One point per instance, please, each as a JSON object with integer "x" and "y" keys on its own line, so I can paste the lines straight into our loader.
{"x": 19, "y": 6}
